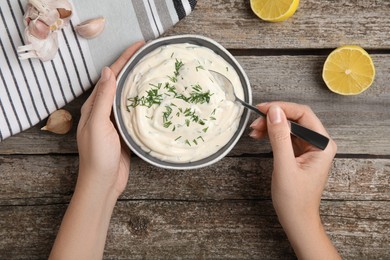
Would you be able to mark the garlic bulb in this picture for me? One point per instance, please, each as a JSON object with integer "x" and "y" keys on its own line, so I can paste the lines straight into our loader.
{"x": 42, "y": 19}
{"x": 91, "y": 28}
{"x": 59, "y": 122}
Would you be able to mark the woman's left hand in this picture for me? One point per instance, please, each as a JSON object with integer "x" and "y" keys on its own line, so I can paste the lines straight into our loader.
{"x": 104, "y": 164}
{"x": 103, "y": 173}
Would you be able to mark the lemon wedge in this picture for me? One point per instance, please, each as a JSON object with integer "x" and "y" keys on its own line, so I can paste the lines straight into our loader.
{"x": 274, "y": 10}
{"x": 348, "y": 70}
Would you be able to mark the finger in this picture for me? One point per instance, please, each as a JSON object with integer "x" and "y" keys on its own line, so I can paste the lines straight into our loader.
{"x": 104, "y": 97}
{"x": 125, "y": 57}
{"x": 259, "y": 124}
{"x": 87, "y": 108}
{"x": 279, "y": 135}
{"x": 88, "y": 105}
{"x": 301, "y": 114}
{"x": 255, "y": 134}
{"x": 306, "y": 117}
{"x": 259, "y": 127}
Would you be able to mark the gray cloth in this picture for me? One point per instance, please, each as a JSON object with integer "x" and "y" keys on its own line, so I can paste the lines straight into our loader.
{"x": 30, "y": 89}
{"x": 139, "y": 19}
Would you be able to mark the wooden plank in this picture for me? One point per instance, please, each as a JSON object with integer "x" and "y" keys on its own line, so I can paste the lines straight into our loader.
{"x": 316, "y": 24}
{"x": 210, "y": 229}
{"x": 359, "y": 124}
{"x": 51, "y": 179}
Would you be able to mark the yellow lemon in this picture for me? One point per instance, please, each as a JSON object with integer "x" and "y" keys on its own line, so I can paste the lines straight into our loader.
{"x": 274, "y": 10}
{"x": 348, "y": 70}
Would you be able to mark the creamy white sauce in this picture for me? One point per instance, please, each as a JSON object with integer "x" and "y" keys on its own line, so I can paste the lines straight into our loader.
{"x": 178, "y": 127}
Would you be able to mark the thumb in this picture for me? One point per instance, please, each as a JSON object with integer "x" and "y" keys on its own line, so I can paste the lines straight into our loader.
{"x": 279, "y": 135}
{"x": 105, "y": 93}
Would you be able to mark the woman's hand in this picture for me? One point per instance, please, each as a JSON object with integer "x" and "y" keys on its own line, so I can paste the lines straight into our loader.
{"x": 299, "y": 177}
{"x": 103, "y": 173}
{"x": 104, "y": 164}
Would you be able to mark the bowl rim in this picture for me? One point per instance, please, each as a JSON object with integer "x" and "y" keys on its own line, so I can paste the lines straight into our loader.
{"x": 154, "y": 44}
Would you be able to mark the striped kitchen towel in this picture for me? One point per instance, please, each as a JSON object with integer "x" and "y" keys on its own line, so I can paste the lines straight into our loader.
{"x": 30, "y": 89}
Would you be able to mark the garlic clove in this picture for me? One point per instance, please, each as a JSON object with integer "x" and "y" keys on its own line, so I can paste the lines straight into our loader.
{"x": 50, "y": 18}
{"x": 91, "y": 28}
{"x": 45, "y": 49}
{"x": 39, "y": 29}
{"x": 59, "y": 122}
{"x": 40, "y": 5}
{"x": 31, "y": 14}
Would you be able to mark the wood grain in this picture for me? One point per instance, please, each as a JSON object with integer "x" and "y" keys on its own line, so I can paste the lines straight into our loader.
{"x": 359, "y": 124}
{"x": 28, "y": 180}
{"x": 222, "y": 211}
{"x": 225, "y": 211}
{"x": 315, "y": 25}
{"x": 209, "y": 229}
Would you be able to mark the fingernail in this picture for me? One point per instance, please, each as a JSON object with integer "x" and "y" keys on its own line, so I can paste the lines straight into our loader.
{"x": 106, "y": 74}
{"x": 275, "y": 114}
{"x": 253, "y": 134}
{"x": 256, "y": 122}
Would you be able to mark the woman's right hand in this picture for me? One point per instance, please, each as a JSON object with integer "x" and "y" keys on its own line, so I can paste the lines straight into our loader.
{"x": 299, "y": 177}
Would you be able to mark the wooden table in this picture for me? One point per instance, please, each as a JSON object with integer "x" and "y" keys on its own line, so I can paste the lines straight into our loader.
{"x": 225, "y": 211}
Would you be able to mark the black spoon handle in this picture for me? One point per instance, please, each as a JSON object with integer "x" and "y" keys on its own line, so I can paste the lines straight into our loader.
{"x": 310, "y": 136}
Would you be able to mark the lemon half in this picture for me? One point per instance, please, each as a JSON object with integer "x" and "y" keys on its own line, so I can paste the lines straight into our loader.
{"x": 348, "y": 70}
{"x": 274, "y": 10}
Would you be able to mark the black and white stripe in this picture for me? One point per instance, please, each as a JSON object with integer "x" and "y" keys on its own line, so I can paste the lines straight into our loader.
{"x": 30, "y": 90}
{"x": 154, "y": 17}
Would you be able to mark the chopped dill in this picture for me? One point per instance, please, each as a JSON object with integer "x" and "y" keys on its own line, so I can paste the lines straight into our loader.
{"x": 200, "y": 67}
{"x": 178, "y": 65}
{"x": 166, "y": 115}
{"x": 167, "y": 124}
{"x": 193, "y": 94}
{"x": 173, "y": 79}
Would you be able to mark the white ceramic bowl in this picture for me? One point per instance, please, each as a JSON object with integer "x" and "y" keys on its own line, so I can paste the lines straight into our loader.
{"x": 192, "y": 39}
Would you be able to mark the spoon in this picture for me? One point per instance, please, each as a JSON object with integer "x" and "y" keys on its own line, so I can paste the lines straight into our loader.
{"x": 310, "y": 136}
